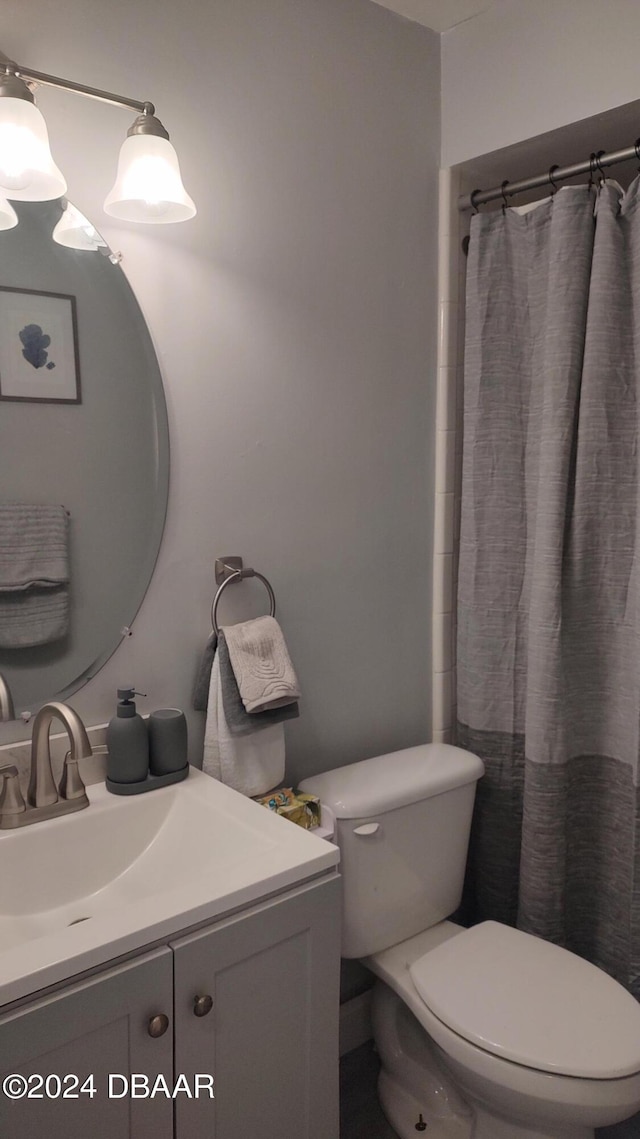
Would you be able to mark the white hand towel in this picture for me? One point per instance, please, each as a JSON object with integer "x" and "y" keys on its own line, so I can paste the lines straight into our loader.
{"x": 250, "y": 764}
{"x": 261, "y": 664}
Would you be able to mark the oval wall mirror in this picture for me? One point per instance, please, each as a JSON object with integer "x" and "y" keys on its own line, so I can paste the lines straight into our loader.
{"x": 84, "y": 458}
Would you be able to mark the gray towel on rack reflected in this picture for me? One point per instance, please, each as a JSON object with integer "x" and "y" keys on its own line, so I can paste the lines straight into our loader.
{"x": 239, "y": 721}
{"x": 203, "y": 679}
{"x": 34, "y": 574}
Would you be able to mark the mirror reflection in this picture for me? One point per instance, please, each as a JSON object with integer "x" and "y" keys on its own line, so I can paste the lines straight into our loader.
{"x": 84, "y": 457}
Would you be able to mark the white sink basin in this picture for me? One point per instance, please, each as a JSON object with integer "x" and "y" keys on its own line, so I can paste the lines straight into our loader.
{"x": 81, "y": 889}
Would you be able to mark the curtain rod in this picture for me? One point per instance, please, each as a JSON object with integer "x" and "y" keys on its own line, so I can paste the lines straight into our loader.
{"x": 595, "y": 163}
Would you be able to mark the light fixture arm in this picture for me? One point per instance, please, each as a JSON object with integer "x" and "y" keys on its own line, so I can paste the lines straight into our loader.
{"x": 29, "y": 75}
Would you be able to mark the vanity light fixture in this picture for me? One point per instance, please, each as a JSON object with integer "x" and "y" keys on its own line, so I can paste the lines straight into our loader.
{"x": 27, "y": 170}
{"x": 148, "y": 186}
{"x": 76, "y": 231}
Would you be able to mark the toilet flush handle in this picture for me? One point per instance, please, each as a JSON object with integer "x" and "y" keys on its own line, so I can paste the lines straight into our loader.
{"x": 367, "y": 829}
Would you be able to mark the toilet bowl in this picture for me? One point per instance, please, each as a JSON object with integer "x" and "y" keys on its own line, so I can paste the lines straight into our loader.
{"x": 470, "y": 1088}
{"x": 483, "y": 1033}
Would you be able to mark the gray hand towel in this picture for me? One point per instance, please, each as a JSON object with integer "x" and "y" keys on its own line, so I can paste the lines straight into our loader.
{"x": 34, "y": 574}
{"x": 34, "y": 547}
{"x": 239, "y": 721}
{"x": 203, "y": 679}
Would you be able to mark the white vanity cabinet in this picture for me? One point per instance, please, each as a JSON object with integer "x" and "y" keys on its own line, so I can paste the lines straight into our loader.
{"x": 97, "y": 1027}
{"x": 270, "y": 1038}
{"x": 251, "y": 1000}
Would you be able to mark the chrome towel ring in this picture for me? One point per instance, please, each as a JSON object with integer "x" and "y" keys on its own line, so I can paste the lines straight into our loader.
{"x": 228, "y": 570}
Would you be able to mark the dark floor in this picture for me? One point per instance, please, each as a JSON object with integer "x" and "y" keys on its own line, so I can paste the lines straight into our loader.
{"x": 360, "y": 1113}
{"x": 630, "y": 1129}
{"x": 361, "y": 1116}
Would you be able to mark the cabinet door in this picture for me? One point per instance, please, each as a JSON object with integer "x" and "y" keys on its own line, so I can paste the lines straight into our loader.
{"x": 270, "y": 1040}
{"x": 97, "y": 1027}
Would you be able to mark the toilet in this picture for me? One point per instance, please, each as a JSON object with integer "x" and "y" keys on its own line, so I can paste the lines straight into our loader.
{"x": 482, "y": 1033}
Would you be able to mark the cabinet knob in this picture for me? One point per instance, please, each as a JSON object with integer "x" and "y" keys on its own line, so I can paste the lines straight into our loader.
{"x": 202, "y": 1005}
{"x": 158, "y": 1025}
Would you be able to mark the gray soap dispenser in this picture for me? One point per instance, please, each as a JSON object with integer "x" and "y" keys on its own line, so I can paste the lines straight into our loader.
{"x": 127, "y": 742}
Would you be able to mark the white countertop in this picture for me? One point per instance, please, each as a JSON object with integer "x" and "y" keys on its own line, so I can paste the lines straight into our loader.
{"x": 139, "y": 870}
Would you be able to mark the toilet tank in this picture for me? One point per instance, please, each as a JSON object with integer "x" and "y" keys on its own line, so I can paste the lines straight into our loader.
{"x": 403, "y": 822}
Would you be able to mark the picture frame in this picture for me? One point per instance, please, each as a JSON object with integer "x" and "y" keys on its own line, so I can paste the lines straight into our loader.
{"x": 39, "y": 360}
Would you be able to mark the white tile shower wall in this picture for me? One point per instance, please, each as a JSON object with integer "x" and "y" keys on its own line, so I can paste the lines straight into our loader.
{"x": 451, "y": 269}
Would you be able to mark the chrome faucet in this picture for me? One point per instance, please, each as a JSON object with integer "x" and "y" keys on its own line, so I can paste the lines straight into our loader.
{"x": 7, "y": 711}
{"x": 44, "y": 799}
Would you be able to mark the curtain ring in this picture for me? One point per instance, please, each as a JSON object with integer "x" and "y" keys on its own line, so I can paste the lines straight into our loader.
{"x": 472, "y": 199}
{"x": 503, "y": 187}
{"x": 554, "y": 185}
{"x": 600, "y": 169}
{"x": 636, "y": 147}
{"x": 592, "y": 167}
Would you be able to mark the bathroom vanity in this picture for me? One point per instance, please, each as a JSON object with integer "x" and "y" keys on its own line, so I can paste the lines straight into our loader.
{"x": 208, "y": 948}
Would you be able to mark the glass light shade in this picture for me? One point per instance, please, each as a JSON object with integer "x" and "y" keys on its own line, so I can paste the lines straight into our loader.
{"x": 27, "y": 170}
{"x": 76, "y": 232}
{"x": 148, "y": 185}
{"x": 8, "y": 216}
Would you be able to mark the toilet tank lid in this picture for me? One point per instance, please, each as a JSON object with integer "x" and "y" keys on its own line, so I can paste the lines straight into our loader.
{"x": 394, "y": 780}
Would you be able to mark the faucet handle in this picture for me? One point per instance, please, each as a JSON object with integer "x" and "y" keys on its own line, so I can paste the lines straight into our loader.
{"x": 11, "y": 800}
{"x": 71, "y": 784}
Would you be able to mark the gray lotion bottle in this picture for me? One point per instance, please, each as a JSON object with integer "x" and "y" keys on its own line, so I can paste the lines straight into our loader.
{"x": 127, "y": 742}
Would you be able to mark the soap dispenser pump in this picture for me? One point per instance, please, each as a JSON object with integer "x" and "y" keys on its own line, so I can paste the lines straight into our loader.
{"x": 127, "y": 742}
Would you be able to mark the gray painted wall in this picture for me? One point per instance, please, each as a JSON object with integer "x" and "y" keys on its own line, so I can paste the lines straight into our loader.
{"x": 518, "y": 70}
{"x": 294, "y": 321}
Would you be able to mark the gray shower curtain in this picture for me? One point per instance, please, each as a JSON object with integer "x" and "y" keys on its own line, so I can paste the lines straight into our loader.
{"x": 549, "y": 575}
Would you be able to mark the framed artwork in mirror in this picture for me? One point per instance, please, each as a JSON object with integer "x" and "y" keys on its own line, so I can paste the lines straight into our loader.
{"x": 38, "y": 347}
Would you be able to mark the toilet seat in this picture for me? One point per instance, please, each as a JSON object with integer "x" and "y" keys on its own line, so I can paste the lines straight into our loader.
{"x": 525, "y": 1000}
